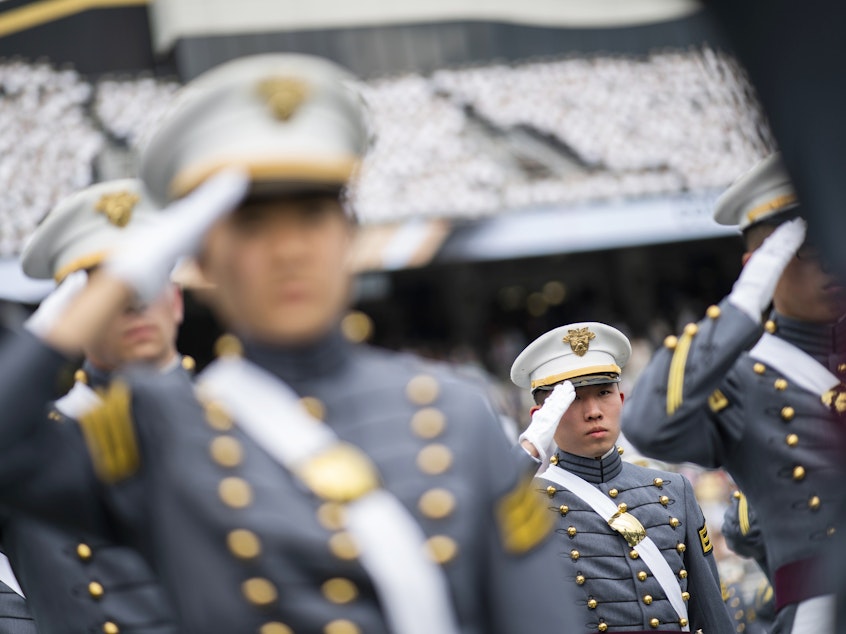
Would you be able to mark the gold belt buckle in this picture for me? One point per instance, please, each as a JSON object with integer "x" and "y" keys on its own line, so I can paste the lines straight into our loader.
{"x": 629, "y": 527}
{"x": 342, "y": 473}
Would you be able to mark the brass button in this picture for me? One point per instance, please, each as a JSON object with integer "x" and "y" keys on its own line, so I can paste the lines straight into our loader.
{"x": 228, "y": 346}
{"x": 563, "y": 509}
{"x": 830, "y": 531}
{"x": 780, "y": 384}
{"x": 226, "y": 451}
{"x": 332, "y": 516}
{"x": 814, "y": 502}
{"x": 339, "y": 590}
{"x": 243, "y": 544}
{"x": 275, "y": 628}
{"x": 434, "y": 459}
{"x": 654, "y": 623}
{"x": 80, "y": 376}
{"x": 591, "y": 604}
{"x": 341, "y": 626}
{"x": 602, "y": 627}
{"x": 841, "y": 368}
{"x": 580, "y": 580}
{"x": 682, "y": 574}
{"x": 686, "y": 596}
{"x": 664, "y": 500}
{"x": 84, "y": 552}
{"x": 428, "y": 423}
{"x": 787, "y": 413}
{"x": 633, "y": 554}
{"x": 770, "y": 326}
{"x": 792, "y": 440}
{"x": 571, "y": 531}
{"x": 343, "y": 546}
{"x": 613, "y": 493}
{"x": 188, "y": 363}
{"x": 551, "y": 490}
{"x": 217, "y": 417}
{"x": 658, "y": 482}
{"x": 422, "y": 390}
{"x": 95, "y": 590}
{"x": 259, "y": 591}
{"x": 574, "y": 555}
{"x": 681, "y": 548}
{"x": 436, "y": 503}
{"x": 798, "y": 473}
{"x": 553, "y": 460}
{"x": 54, "y": 415}
{"x": 620, "y": 451}
{"x": 110, "y": 627}
{"x": 314, "y": 407}
{"x": 674, "y": 522}
{"x": 622, "y": 507}
{"x": 671, "y": 342}
{"x": 647, "y": 599}
{"x": 759, "y": 368}
{"x": 356, "y": 327}
{"x": 683, "y": 622}
{"x": 713, "y": 311}
{"x": 642, "y": 576}
{"x": 737, "y": 495}
{"x": 235, "y": 492}
{"x": 691, "y": 329}
{"x": 442, "y": 549}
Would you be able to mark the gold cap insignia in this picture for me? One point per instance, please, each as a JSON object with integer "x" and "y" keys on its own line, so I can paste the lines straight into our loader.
{"x": 117, "y": 207}
{"x": 283, "y": 95}
{"x": 579, "y": 340}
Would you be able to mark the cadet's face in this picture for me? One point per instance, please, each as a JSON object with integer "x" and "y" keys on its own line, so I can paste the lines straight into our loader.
{"x": 591, "y": 425}
{"x": 808, "y": 291}
{"x": 140, "y": 334}
{"x": 281, "y": 268}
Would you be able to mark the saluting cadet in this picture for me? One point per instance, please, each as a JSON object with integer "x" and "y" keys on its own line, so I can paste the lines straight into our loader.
{"x": 763, "y": 400}
{"x": 308, "y": 484}
{"x": 74, "y": 582}
{"x": 636, "y": 546}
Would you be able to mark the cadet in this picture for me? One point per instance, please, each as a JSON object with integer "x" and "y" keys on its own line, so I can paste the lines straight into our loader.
{"x": 762, "y": 400}
{"x": 74, "y": 582}
{"x": 401, "y": 512}
{"x": 639, "y": 554}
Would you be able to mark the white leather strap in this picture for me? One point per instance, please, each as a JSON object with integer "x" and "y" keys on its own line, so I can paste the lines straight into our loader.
{"x": 77, "y": 401}
{"x": 649, "y": 553}
{"x": 412, "y": 588}
{"x": 815, "y": 616}
{"x": 795, "y": 364}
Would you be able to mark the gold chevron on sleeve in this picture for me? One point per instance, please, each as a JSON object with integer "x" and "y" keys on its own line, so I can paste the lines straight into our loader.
{"x": 110, "y": 435}
{"x": 675, "y": 379}
{"x": 524, "y": 520}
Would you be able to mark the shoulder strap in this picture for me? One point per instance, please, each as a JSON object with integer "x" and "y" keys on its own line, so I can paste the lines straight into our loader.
{"x": 794, "y": 363}
{"x": 646, "y": 548}
{"x": 412, "y": 588}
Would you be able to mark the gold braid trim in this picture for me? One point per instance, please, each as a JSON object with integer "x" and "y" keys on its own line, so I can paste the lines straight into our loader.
{"x": 110, "y": 435}
{"x": 524, "y": 521}
{"x": 675, "y": 380}
{"x": 743, "y": 514}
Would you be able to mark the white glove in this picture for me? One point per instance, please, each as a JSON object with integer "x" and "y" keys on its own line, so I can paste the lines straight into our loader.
{"x": 545, "y": 420}
{"x": 753, "y": 290}
{"x": 145, "y": 259}
{"x": 53, "y": 306}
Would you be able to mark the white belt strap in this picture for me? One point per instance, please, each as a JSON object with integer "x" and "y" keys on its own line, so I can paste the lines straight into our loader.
{"x": 648, "y": 551}
{"x": 815, "y": 616}
{"x": 412, "y": 588}
{"x": 797, "y": 365}
{"x": 78, "y": 400}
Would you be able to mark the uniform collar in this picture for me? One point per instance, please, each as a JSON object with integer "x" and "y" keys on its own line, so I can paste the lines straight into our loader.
{"x": 296, "y": 365}
{"x": 593, "y": 470}
{"x": 824, "y": 342}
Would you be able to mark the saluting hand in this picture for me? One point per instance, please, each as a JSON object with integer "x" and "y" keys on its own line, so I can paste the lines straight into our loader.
{"x": 52, "y": 308}
{"x": 545, "y": 420}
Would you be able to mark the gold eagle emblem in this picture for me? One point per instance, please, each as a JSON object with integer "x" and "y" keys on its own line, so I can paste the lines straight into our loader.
{"x": 579, "y": 340}
{"x": 118, "y": 206}
{"x": 283, "y": 95}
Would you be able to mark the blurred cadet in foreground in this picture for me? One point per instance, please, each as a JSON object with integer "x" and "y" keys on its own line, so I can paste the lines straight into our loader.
{"x": 402, "y": 511}
{"x": 764, "y": 401}
{"x": 639, "y": 557}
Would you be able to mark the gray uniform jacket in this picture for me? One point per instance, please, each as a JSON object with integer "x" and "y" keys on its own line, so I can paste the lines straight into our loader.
{"x": 77, "y": 583}
{"x": 241, "y": 546}
{"x": 704, "y": 399}
{"x": 616, "y": 591}
{"x": 14, "y": 614}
